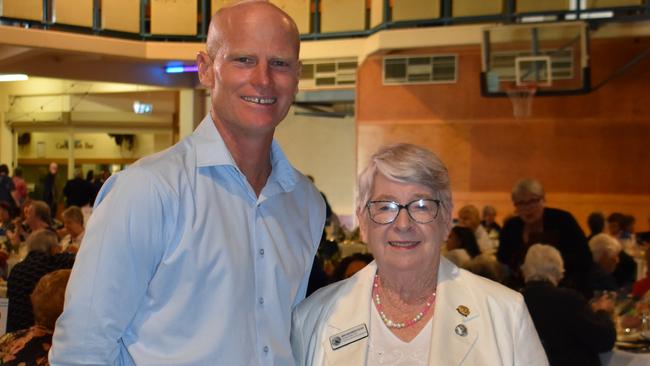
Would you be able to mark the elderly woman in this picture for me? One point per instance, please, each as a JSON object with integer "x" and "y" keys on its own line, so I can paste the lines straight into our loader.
{"x": 25, "y": 275}
{"x": 572, "y": 331}
{"x": 605, "y": 250}
{"x": 409, "y": 306}
{"x": 468, "y": 216}
{"x": 30, "y": 346}
{"x": 536, "y": 223}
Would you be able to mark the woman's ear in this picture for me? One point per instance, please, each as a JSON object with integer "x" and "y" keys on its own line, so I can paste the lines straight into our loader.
{"x": 362, "y": 225}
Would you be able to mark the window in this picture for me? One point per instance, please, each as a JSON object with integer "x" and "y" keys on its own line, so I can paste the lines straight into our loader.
{"x": 420, "y": 69}
{"x": 328, "y": 73}
{"x": 503, "y": 63}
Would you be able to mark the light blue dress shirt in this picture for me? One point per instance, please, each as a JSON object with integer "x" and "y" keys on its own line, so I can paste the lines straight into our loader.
{"x": 182, "y": 264}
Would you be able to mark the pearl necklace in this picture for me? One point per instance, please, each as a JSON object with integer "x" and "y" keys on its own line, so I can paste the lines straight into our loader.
{"x": 399, "y": 325}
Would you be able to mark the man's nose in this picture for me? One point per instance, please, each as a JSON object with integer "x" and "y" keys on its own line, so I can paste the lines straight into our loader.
{"x": 261, "y": 75}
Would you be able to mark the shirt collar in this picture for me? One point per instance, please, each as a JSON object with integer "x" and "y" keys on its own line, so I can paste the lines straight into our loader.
{"x": 211, "y": 150}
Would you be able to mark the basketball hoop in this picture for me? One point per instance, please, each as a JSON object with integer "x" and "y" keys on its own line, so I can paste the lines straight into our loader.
{"x": 521, "y": 97}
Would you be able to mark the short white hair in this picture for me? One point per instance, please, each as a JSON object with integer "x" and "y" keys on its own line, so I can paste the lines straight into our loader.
{"x": 459, "y": 257}
{"x": 527, "y": 185}
{"x": 407, "y": 163}
{"x": 41, "y": 240}
{"x": 543, "y": 262}
{"x": 602, "y": 245}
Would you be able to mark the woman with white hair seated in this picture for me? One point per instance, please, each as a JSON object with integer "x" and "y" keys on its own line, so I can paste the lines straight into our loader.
{"x": 25, "y": 275}
{"x": 572, "y": 331}
{"x": 410, "y": 306}
{"x": 605, "y": 250}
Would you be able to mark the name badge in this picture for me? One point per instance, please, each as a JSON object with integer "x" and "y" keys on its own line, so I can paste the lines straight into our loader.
{"x": 348, "y": 336}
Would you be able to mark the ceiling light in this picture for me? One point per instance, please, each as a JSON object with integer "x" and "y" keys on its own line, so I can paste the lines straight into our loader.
{"x": 13, "y": 77}
{"x": 181, "y": 69}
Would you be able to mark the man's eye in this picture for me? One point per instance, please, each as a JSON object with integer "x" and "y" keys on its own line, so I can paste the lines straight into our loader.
{"x": 279, "y": 63}
{"x": 245, "y": 60}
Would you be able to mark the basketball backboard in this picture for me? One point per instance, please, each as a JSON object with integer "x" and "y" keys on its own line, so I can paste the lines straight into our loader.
{"x": 554, "y": 57}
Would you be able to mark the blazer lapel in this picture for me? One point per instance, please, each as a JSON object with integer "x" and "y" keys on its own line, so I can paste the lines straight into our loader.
{"x": 355, "y": 311}
{"x": 454, "y": 334}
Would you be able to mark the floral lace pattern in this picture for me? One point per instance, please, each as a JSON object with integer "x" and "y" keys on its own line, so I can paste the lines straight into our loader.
{"x": 26, "y": 347}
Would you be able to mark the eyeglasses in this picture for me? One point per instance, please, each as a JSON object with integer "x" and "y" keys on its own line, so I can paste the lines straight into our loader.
{"x": 421, "y": 211}
{"x": 528, "y": 203}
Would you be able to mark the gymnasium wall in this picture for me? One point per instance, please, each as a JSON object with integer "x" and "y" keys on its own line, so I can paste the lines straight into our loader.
{"x": 590, "y": 151}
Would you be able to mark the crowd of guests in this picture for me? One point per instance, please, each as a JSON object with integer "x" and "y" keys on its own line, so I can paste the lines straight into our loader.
{"x": 37, "y": 252}
{"x": 540, "y": 251}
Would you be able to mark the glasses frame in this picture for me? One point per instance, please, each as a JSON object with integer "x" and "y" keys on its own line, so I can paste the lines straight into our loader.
{"x": 405, "y": 207}
{"x": 528, "y": 203}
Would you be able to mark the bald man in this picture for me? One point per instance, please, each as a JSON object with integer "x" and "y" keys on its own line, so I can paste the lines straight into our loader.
{"x": 197, "y": 255}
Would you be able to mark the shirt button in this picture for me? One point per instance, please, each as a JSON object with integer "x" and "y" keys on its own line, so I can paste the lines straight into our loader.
{"x": 261, "y": 300}
{"x": 266, "y": 349}
{"x": 262, "y": 252}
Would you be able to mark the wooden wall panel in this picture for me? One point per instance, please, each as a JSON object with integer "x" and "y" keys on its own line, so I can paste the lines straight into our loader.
{"x": 299, "y": 10}
{"x": 176, "y": 17}
{"x": 415, "y": 9}
{"x": 121, "y": 15}
{"x": 449, "y": 141}
{"x": 525, "y": 6}
{"x": 465, "y": 8}
{"x": 589, "y": 151}
{"x": 612, "y": 3}
{"x": 74, "y": 12}
{"x": 376, "y": 12}
{"x": 23, "y": 9}
{"x": 343, "y": 15}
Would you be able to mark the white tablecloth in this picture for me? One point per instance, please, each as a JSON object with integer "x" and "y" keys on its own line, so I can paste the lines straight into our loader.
{"x": 623, "y": 358}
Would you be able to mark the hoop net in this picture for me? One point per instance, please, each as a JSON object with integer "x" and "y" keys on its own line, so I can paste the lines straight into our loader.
{"x": 521, "y": 97}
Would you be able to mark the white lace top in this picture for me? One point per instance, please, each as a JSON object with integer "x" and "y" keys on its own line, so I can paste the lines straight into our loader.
{"x": 384, "y": 348}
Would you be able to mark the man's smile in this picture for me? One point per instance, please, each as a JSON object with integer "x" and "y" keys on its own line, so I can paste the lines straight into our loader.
{"x": 260, "y": 100}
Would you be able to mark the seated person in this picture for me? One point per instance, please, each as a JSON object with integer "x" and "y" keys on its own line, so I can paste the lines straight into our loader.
{"x": 73, "y": 226}
{"x": 351, "y": 265}
{"x": 37, "y": 216}
{"x": 641, "y": 287}
{"x": 605, "y": 250}
{"x": 468, "y": 217}
{"x": 5, "y": 217}
{"x": 410, "y": 306}
{"x": 572, "y": 331}
{"x": 486, "y": 265}
{"x": 489, "y": 220}
{"x": 459, "y": 257}
{"x": 25, "y": 275}
{"x": 462, "y": 238}
{"x": 596, "y": 223}
{"x": 30, "y": 346}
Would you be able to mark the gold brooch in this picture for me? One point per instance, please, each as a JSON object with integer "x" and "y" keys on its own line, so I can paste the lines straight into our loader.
{"x": 463, "y": 310}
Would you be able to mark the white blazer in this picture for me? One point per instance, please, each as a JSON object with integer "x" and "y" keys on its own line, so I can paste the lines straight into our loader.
{"x": 499, "y": 328}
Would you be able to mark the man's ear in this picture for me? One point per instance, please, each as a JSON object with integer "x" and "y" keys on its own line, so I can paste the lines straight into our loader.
{"x": 206, "y": 73}
{"x": 299, "y": 71}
